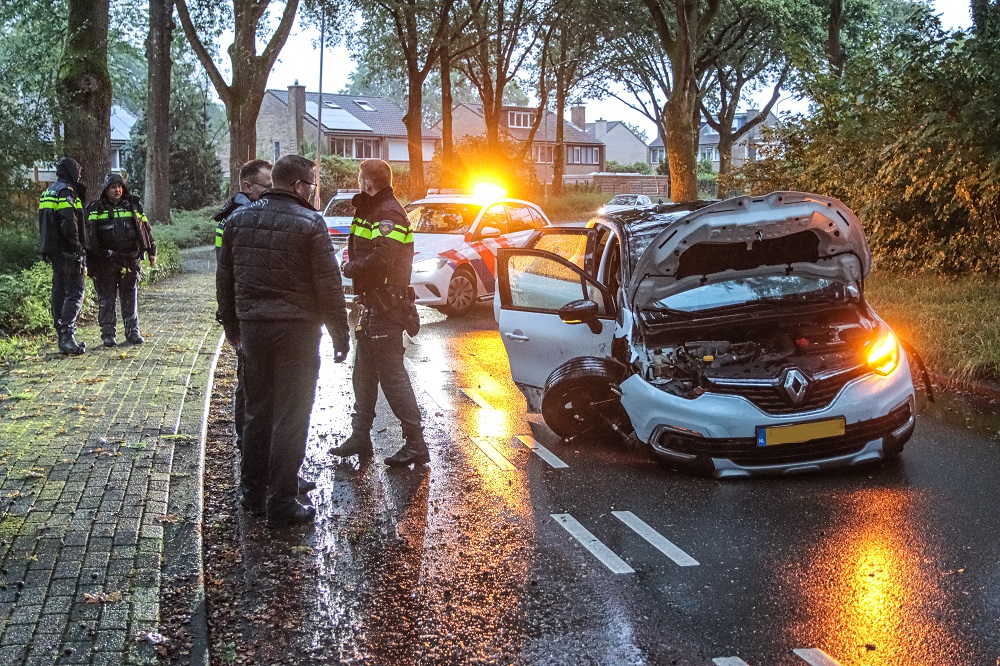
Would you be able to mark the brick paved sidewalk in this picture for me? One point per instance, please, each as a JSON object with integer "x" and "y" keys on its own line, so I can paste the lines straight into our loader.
{"x": 99, "y": 470}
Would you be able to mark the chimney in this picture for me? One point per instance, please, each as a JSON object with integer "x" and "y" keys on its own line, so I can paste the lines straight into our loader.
{"x": 296, "y": 109}
{"x": 600, "y": 129}
{"x": 578, "y": 116}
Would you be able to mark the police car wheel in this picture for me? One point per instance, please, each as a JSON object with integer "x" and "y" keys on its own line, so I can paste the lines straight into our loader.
{"x": 461, "y": 294}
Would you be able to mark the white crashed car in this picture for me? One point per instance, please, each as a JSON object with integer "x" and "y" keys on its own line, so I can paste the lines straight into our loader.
{"x": 624, "y": 202}
{"x": 731, "y": 337}
{"x": 455, "y": 240}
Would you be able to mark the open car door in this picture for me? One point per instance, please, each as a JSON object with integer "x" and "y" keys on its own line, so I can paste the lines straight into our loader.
{"x": 535, "y": 286}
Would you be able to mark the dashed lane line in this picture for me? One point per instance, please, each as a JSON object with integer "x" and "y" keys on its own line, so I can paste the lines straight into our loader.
{"x": 657, "y": 540}
{"x": 815, "y": 657}
{"x": 542, "y": 452}
{"x": 729, "y": 661}
{"x": 593, "y": 544}
{"x": 476, "y": 397}
{"x": 432, "y": 392}
{"x": 491, "y": 452}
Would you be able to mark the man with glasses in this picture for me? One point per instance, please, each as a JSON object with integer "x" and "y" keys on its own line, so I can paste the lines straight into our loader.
{"x": 277, "y": 283}
{"x": 255, "y": 179}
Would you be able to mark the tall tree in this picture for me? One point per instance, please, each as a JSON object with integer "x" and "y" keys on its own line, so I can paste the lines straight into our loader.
{"x": 243, "y": 97}
{"x": 161, "y": 26}
{"x": 505, "y": 32}
{"x": 84, "y": 88}
{"x": 682, "y": 27}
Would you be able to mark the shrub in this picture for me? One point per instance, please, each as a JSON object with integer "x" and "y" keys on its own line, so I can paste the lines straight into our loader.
{"x": 168, "y": 262}
{"x": 192, "y": 228}
{"x": 635, "y": 167}
{"x": 24, "y": 301}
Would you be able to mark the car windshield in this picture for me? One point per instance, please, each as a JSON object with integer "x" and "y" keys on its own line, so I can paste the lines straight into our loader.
{"x": 339, "y": 208}
{"x": 623, "y": 200}
{"x": 741, "y": 291}
{"x": 442, "y": 218}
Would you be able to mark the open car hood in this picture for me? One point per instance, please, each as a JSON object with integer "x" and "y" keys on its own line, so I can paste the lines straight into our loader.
{"x": 782, "y": 233}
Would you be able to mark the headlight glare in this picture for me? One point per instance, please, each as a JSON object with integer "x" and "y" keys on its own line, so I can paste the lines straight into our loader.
{"x": 883, "y": 354}
{"x": 429, "y": 265}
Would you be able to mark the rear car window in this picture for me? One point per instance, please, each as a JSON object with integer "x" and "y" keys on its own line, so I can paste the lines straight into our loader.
{"x": 442, "y": 218}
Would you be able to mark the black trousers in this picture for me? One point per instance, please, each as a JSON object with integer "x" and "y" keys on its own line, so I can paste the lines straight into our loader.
{"x": 239, "y": 400}
{"x": 116, "y": 279}
{"x": 281, "y": 366}
{"x": 67, "y": 291}
{"x": 379, "y": 362}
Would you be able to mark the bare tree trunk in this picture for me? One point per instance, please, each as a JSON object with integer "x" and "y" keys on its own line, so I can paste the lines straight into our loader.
{"x": 559, "y": 154}
{"x": 447, "y": 133}
{"x": 242, "y": 112}
{"x": 157, "y": 195}
{"x": 680, "y": 139}
{"x": 415, "y": 135}
{"x": 84, "y": 88}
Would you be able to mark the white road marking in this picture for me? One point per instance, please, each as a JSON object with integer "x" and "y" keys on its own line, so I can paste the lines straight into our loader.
{"x": 477, "y": 398}
{"x": 593, "y": 544}
{"x": 498, "y": 458}
{"x": 657, "y": 540}
{"x": 542, "y": 452}
{"x": 729, "y": 661}
{"x": 815, "y": 657}
{"x": 432, "y": 391}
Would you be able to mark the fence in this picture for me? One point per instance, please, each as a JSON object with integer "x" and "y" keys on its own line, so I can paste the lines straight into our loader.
{"x": 621, "y": 183}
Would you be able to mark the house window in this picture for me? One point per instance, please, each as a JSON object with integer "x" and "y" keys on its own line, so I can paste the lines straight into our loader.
{"x": 366, "y": 149}
{"x": 277, "y": 151}
{"x": 595, "y": 156}
{"x": 365, "y": 106}
{"x": 116, "y": 161}
{"x": 542, "y": 154}
{"x": 576, "y": 155}
{"x": 519, "y": 118}
{"x": 342, "y": 147}
{"x": 331, "y": 105}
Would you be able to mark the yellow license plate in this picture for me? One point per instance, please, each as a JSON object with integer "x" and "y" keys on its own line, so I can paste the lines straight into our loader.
{"x": 797, "y": 433}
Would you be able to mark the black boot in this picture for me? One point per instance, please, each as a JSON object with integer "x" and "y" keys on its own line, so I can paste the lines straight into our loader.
{"x": 414, "y": 452}
{"x": 358, "y": 444}
{"x": 132, "y": 335}
{"x": 69, "y": 345}
{"x": 290, "y": 514}
{"x": 305, "y": 485}
{"x": 109, "y": 340}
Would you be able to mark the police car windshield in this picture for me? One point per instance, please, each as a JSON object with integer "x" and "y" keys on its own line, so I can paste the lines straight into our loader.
{"x": 442, "y": 218}
{"x": 339, "y": 208}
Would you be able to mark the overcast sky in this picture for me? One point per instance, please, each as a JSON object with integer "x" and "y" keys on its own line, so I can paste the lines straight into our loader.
{"x": 299, "y": 60}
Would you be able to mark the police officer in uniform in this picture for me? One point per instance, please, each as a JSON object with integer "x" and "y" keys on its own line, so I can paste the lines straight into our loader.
{"x": 380, "y": 257}
{"x": 119, "y": 238}
{"x": 255, "y": 179}
{"x": 62, "y": 241}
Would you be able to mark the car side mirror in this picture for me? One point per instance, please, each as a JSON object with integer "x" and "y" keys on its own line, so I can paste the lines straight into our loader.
{"x": 584, "y": 311}
{"x": 489, "y": 232}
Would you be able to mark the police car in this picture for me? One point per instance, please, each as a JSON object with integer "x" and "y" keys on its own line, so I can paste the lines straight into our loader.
{"x": 456, "y": 237}
{"x": 338, "y": 215}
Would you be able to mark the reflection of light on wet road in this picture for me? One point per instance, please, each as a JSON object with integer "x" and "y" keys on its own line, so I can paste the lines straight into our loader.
{"x": 869, "y": 588}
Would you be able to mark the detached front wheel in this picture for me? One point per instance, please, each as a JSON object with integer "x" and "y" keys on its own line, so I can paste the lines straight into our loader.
{"x": 581, "y": 397}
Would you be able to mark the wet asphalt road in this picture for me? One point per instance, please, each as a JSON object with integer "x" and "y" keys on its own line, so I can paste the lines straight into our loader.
{"x": 471, "y": 560}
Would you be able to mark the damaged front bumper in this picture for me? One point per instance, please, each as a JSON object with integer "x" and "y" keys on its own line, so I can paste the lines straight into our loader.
{"x": 716, "y": 433}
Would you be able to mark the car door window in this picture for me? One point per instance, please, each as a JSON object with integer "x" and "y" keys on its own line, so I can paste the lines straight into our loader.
{"x": 537, "y": 220}
{"x": 542, "y": 282}
{"x": 496, "y": 217}
{"x": 520, "y": 218}
{"x": 574, "y": 245}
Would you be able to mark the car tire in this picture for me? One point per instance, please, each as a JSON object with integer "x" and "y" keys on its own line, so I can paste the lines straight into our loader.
{"x": 461, "y": 293}
{"x": 581, "y": 396}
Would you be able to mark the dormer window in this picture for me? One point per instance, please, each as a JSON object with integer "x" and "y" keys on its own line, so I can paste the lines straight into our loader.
{"x": 519, "y": 118}
{"x": 331, "y": 105}
{"x": 365, "y": 106}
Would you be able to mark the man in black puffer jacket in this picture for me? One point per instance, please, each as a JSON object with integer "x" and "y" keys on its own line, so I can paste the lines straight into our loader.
{"x": 62, "y": 240}
{"x": 277, "y": 282}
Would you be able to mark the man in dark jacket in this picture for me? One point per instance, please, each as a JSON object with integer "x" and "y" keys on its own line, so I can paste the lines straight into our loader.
{"x": 277, "y": 283}
{"x": 381, "y": 258}
{"x": 255, "y": 179}
{"x": 119, "y": 237}
{"x": 62, "y": 239}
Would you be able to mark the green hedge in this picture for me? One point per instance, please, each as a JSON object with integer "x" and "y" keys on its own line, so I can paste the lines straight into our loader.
{"x": 187, "y": 228}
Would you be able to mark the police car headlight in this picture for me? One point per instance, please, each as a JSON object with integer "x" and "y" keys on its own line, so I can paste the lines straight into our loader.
{"x": 430, "y": 265}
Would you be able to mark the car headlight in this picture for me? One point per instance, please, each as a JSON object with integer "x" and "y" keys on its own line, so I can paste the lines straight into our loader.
{"x": 602, "y": 210}
{"x": 429, "y": 265}
{"x": 883, "y": 355}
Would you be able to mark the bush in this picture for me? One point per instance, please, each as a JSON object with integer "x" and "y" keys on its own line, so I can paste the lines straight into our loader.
{"x": 168, "y": 262}
{"x": 635, "y": 167}
{"x": 574, "y": 206}
{"x": 18, "y": 249}
{"x": 24, "y": 301}
{"x": 192, "y": 228}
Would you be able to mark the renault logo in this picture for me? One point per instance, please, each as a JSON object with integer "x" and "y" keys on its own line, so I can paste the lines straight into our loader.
{"x": 795, "y": 385}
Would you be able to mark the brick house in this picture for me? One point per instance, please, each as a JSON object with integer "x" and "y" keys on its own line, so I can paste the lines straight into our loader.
{"x": 745, "y": 149}
{"x": 584, "y": 153}
{"x": 356, "y": 126}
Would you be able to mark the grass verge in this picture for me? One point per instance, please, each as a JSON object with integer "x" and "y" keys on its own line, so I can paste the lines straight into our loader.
{"x": 954, "y": 323}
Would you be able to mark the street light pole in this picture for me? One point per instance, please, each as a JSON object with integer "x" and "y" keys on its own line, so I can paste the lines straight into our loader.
{"x": 319, "y": 113}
